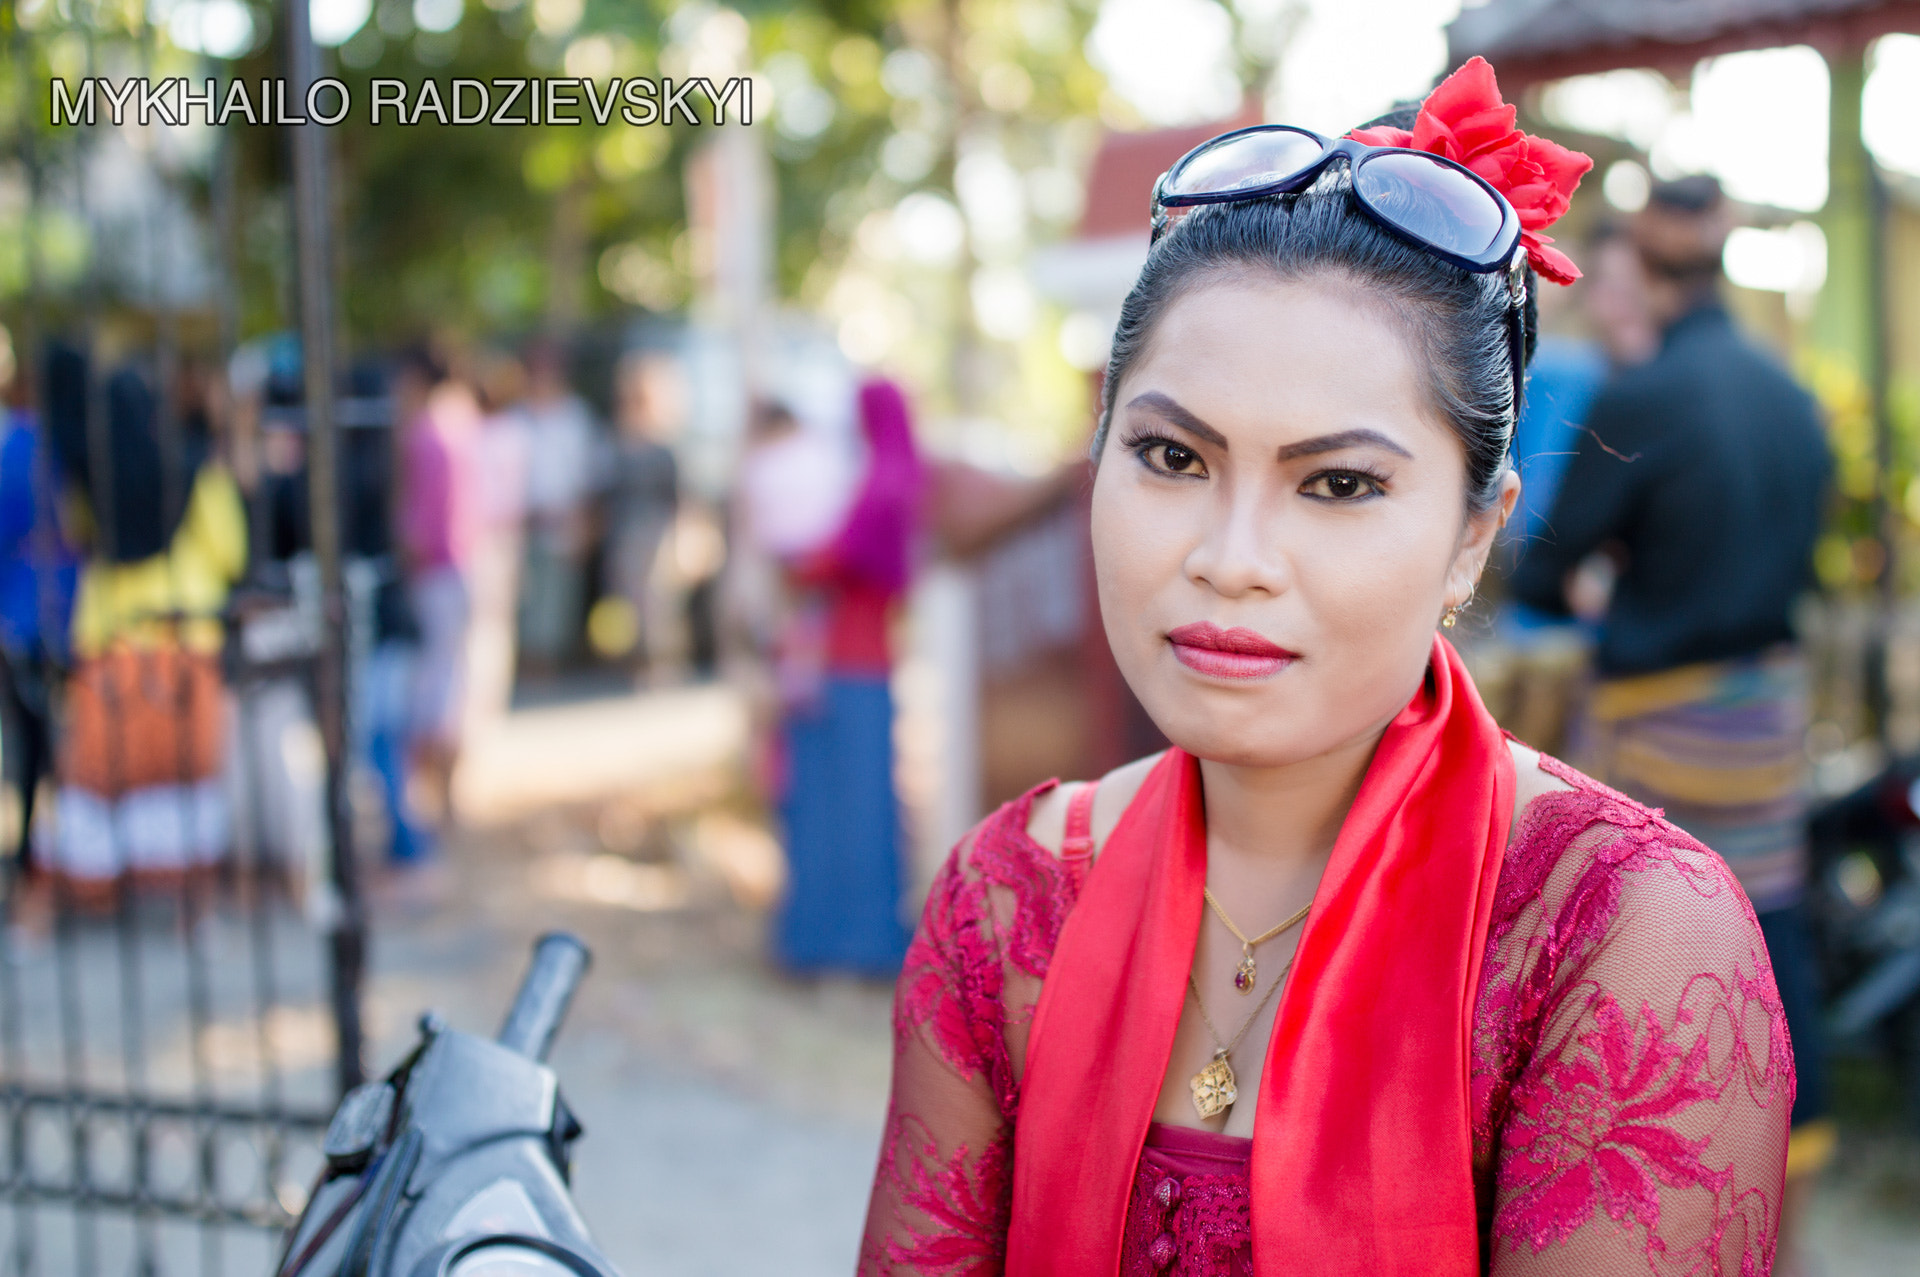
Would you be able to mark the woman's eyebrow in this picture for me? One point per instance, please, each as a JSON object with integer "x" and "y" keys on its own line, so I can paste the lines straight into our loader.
{"x": 1173, "y": 412}
{"x": 1341, "y": 439}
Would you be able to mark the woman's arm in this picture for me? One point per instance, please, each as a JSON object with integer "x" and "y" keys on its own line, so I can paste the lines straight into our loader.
{"x": 1647, "y": 1132}
{"x": 944, "y": 1186}
{"x": 943, "y": 1193}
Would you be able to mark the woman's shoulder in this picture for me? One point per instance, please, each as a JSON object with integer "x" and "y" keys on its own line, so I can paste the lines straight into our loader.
{"x": 1557, "y": 803}
{"x": 1045, "y": 822}
{"x": 1004, "y": 892}
{"x": 1007, "y": 874}
{"x": 1023, "y": 836}
{"x": 1583, "y": 845}
{"x": 1535, "y": 775}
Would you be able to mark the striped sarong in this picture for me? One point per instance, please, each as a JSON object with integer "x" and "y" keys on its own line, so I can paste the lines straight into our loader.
{"x": 1721, "y": 747}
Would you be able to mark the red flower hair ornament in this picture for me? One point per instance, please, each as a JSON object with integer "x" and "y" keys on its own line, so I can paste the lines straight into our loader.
{"x": 1465, "y": 121}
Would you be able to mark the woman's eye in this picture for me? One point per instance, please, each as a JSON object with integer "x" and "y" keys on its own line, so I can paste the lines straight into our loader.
{"x": 1173, "y": 458}
{"x": 1341, "y": 485}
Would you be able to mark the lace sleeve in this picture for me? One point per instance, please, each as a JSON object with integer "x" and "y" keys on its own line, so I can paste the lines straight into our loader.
{"x": 943, "y": 1190}
{"x": 1646, "y": 1129}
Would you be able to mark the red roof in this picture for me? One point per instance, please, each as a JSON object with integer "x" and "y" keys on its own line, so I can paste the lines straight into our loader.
{"x": 1126, "y": 166}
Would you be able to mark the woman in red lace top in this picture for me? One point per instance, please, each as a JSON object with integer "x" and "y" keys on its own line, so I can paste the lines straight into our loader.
{"x": 1347, "y": 982}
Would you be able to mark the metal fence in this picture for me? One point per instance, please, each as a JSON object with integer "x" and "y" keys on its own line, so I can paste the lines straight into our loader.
{"x": 180, "y": 965}
{"x": 170, "y": 1046}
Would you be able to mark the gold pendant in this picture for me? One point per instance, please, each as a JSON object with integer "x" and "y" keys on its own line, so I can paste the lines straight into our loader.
{"x": 1245, "y": 976}
{"x": 1214, "y": 1087}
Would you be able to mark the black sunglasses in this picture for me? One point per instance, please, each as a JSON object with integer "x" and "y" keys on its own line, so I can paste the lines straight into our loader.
{"x": 1428, "y": 200}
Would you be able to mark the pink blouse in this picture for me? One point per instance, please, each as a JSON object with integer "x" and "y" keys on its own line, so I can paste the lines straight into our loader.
{"x": 1631, "y": 1075}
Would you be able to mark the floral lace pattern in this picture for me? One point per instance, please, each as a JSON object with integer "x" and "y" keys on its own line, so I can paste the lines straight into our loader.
{"x": 1205, "y": 1228}
{"x": 1189, "y": 1215}
{"x": 1631, "y": 1074}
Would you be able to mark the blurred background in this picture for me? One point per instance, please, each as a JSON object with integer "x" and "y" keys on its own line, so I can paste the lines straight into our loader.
{"x": 413, "y": 538}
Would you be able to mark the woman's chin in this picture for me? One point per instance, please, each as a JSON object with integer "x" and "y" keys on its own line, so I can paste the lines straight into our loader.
{"x": 1241, "y": 735}
{"x": 1263, "y": 723}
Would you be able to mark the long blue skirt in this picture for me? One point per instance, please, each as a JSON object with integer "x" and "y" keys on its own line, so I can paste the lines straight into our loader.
{"x": 842, "y": 908}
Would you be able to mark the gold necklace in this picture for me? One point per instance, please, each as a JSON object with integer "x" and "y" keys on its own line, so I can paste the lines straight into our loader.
{"x": 1214, "y": 1087}
{"x": 1248, "y": 973}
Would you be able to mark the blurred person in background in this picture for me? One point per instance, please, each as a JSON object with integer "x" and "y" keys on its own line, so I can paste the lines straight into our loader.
{"x": 1617, "y": 299}
{"x": 1550, "y": 650}
{"x": 561, "y": 446}
{"x": 1567, "y": 375}
{"x": 494, "y": 573}
{"x": 1703, "y": 475}
{"x": 166, "y": 538}
{"x": 441, "y": 522}
{"x": 37, "y": 578}
{"x": 841, "y": 816}
{"x": 643, "y": 496}
{"x": 387, "y": 652}
{"x": 279, "y": 765}
{"x": 270, "y": 391}
{"x": 790, "y": 492}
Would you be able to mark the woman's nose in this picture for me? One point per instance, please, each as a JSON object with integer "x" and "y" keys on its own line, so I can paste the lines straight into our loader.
{"x": 1240, "y": 552}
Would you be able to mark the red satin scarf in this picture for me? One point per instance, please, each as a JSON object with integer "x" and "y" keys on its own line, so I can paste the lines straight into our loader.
{"x": 1362, "y": 1149}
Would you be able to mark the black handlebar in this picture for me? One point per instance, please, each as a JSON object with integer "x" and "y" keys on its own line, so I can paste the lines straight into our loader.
{"x": 559, "y": 961}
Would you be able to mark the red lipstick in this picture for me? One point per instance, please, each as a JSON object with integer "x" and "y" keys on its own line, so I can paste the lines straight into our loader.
{"x": 1235, "y": 653}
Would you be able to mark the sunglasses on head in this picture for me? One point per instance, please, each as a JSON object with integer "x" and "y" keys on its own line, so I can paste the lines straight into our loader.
{"x": 1428, "y": 200}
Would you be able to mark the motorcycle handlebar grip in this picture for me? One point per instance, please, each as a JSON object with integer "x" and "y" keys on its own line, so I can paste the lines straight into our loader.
{"x": 559, "y": 961}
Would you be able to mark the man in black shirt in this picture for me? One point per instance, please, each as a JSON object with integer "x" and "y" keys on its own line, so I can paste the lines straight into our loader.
{"x": 1702, "y": 473}
{"x": 1702, "y": 469}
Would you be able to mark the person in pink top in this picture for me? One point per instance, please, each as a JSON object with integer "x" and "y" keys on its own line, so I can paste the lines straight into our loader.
{"x": 440, "y": 520}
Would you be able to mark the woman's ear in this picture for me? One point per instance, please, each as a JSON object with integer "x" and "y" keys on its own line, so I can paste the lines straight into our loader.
{"x": 1476, "y": 543}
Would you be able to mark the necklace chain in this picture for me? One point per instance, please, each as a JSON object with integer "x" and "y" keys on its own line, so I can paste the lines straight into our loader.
{"x": 1228, "y": 1048}
{"x": 1264, "y": 936}
{"x": 1214, "y": 1087}
{"x": 1247, "y": 975}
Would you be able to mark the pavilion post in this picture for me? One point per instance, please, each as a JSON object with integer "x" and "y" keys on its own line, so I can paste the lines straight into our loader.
{"x": 1850, "y": 325}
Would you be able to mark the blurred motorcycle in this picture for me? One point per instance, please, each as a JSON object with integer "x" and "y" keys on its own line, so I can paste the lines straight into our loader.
{"x": 457, "y": 1164}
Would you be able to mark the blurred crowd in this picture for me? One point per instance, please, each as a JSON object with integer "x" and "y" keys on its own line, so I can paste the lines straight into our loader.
{"x": 162, "y": 603}
{"x": 501, "y": 540}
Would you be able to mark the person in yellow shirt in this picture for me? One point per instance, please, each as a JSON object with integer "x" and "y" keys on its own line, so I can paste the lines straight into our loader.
{"x": 141, "y": 794}
{"x": 176, "y": 595}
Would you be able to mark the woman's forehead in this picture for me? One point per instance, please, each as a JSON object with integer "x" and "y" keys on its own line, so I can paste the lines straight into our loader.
{"x": 1275, "y": 360}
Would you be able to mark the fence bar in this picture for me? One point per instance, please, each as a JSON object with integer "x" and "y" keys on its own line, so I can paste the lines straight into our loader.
{"x": 310, "y": 225}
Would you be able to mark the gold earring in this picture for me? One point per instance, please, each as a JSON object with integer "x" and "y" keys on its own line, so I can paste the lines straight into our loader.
{"x": 1452, "y": 616}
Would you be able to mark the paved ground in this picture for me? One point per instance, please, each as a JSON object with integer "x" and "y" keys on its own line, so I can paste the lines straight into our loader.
{"x": 731, "y": 1120}
{"x": 1865, "y": 1220}
{"x": 732, "y": 1116}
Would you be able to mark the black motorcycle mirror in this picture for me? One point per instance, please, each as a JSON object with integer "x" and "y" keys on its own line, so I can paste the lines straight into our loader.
{"x": 457, "y": 1164}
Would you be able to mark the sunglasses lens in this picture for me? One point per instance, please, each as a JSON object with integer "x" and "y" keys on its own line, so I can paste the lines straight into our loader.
{"x": 1249, "y": 159}
{"x": 1430, "y": 201}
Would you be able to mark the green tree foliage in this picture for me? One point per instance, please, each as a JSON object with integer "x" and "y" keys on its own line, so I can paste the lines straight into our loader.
{"x": 443, "y": 225}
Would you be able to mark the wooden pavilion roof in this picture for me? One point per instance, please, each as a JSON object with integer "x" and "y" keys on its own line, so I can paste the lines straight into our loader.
{"x": 1529, "y": 41}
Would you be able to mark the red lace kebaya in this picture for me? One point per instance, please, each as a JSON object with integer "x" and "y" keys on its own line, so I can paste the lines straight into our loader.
{"x": 1630, "y": 1077}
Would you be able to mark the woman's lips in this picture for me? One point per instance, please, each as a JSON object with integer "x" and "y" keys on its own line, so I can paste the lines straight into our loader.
{"x": 1235, "y": 653}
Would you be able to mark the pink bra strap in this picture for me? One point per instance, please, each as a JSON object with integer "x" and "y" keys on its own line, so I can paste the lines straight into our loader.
{"x": 1078, "y": 843}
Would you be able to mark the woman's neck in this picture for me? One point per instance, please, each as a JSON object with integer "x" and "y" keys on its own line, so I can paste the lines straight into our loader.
{"x": 1289, "y": 815}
